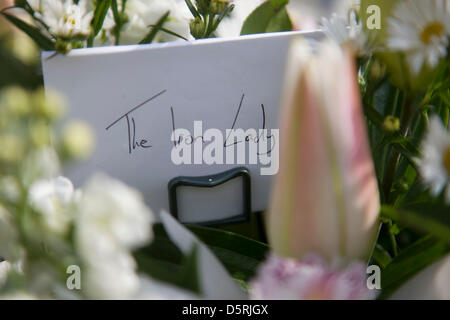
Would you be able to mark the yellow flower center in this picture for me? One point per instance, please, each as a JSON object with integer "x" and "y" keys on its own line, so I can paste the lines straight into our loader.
{"x": 435, "y": 29}
{"x": 70, "y": 19}
{"x": 447, "y": 160}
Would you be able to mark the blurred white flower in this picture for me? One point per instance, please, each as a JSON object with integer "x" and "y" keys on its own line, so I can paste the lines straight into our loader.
{"x": 5, "y": 266}
{"x": 111, "y": 220}
{"x": 78, "y": 139}
{"x": 420, "y": 28}
{"x": 66, "y": 19}
{"x": 111, "y": 275}
{"x": 311, "y": 279}
{"x": 306, "y": 14}
{"x": 35, "y": 4}
{"x": 151, "y": 289}
{"x": 18, "y": 295}
{"x": 434, "y": 165}
{"x": 43, "y": 281}
{"x": 52, "y": 198}
{"x": 143, "y": 13}
{"x": 9, "y": 188}
{"x": 40, "y": 164}
{"x": 345, "y": 32}
{"x": 111, "y": 207}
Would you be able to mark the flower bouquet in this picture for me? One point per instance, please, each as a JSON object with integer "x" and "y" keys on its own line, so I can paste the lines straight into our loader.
{"x": 360, "y": 207}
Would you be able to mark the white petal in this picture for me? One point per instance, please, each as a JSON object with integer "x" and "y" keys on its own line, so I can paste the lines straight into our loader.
{"x": 215, "y": 282}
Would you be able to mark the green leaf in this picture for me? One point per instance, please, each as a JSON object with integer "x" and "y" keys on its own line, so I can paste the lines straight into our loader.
{"x": 279, "y": 3}
{"x": 34, "y": 33}
{"x": 100, "y": 13}
{"x": 192, "y": 9}
{"x": 280, "y": 22}
{"x": 381, "y": 256}
{"x": 267, "y": 18}
{"x": 189, "y": 272}
{"x": 409, "y": 262}
{"x": 241, "y": 256}
{"x": 184, "y": 275}
{"x": 170, "y": 32}
{"x": 424, "y": 217}
{"x": 162, "y": 260}
{"x": 116, "y": 14}
{"x": 157, "y": 27}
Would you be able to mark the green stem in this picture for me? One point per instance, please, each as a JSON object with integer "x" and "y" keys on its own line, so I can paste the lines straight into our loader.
{"x": 393, "y": 162}
{"x": 395, "y": 155}
{"x": 393, "y": 239}
{"x": 210, "y": 25}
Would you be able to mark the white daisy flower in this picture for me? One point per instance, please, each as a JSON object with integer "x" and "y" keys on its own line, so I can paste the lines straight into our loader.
{"x": 346, "y": 31}
{"x": 435, "y": 163}
{"x": 421, "y": 28}
{"x": 65, "y": 19}
{"x": 143, "y": 13}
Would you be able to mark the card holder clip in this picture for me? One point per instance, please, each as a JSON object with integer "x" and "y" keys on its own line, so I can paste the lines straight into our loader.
{"x": 211, "y": 181}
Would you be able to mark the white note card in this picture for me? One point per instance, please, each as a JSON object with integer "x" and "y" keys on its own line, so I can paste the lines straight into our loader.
{"x": 160, "y": 111}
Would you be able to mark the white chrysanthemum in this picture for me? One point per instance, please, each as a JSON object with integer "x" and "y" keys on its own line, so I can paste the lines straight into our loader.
{"x": 112, "y": 220}
{"x": 435, "y": 163}
{"x": 52, "y": 198}
{"x": 421, "y": 29}
{"x": 339, "y": 29}
{"x": 143, "y": 13}
{"x": 66, "y": 19}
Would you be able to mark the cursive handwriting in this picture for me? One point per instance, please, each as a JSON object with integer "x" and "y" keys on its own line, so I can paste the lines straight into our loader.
{"x": 134, "y": 143}
{"x": 190, "y": 139}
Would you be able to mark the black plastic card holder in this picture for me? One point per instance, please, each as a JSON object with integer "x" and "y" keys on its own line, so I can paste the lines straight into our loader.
{"x": 211, "y": 181}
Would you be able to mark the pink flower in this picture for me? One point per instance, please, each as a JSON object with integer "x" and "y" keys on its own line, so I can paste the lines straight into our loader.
{"x": 325, "y": 197}
{"x": 311, "y": 279}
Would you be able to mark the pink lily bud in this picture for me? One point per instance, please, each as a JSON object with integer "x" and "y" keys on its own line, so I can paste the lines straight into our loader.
{"x": 325, "y": 199}
{"x": 312, "y": 279}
